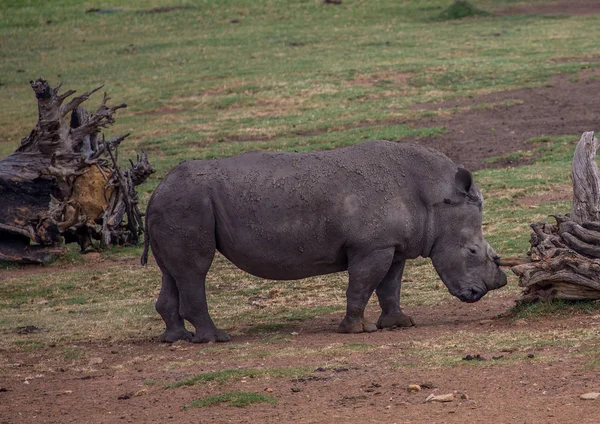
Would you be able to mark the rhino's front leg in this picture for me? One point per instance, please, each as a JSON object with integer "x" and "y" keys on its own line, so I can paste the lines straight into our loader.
{"x": 365, "y": 271}
{"x": 388, "y": 293}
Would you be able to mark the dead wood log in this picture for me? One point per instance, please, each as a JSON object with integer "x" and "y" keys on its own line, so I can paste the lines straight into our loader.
{"x": 63, "y": 182}
{"x": 565, "y": 257}
{"x": 586, "y": 180}
{"x": 513, "y": 261}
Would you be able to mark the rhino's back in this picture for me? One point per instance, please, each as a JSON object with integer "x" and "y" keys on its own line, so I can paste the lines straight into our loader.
{"x": 260, "y": 187}
{"x": 369, "y": 164}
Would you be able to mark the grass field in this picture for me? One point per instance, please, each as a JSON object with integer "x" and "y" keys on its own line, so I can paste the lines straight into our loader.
{"x": 206, "y": 79}
{"x": 211, "y": 79}
{"x": 200, "y": 86}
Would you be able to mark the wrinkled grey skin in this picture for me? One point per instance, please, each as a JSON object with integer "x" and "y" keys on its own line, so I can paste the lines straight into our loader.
{"x": 366, "y": 209}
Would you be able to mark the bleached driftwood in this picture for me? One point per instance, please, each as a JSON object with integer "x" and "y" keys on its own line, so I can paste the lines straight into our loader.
{"x": 564, "y": 258}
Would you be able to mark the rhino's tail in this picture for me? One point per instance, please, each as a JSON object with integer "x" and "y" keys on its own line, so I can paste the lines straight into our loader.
{"x": 144, "y": 259}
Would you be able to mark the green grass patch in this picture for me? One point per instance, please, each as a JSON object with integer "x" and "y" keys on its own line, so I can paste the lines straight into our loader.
{"x": 595, "y": 357}
{"x": 333, "y": 351}
{"x": 513, "y": 157}
{"x": 507, "y": 346}
{"x": 545, "y": 149}
{"x": 557, "y": 307}
{"x": 276, "y": 339}
{"x": 239, "y": 399}
{"x": 30, "y": 344}
{"x": 237, "y": 374}
{"x": 461, "y": 9}
{"x": 74, "y": 353}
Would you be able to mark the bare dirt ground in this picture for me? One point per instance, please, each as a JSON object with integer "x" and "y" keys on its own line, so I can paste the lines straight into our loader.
{"x": 125, "y": 381}
{"x": 564, "y": 106}
{"x": 112, "y": 383}
{"x": 571, "y": 7}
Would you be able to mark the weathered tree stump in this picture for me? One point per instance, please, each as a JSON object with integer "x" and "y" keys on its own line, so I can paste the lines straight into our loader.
{"x": 63, "y": 182}
{"x": 564, "y": 258}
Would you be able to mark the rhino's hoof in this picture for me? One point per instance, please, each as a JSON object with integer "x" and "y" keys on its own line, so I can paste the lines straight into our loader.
{"x": 369, "y": 327}
{"x": 362, "y": 326}
{"x": 211, "y": 336}
{"x": 397, "y": 319}
{"x": 174, "y": 336}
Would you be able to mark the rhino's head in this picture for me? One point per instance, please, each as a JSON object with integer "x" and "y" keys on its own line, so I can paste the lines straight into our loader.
{"x": 462, "y": 257}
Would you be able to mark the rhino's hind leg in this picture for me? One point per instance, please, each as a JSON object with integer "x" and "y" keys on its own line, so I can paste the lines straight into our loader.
{"x": 365, "y": 273}
{"x": 388, "y": 293}
{"x": 185, "y": 252}
{"x": 193, "y": 308}
{"x": 191, "y": 282}
{"x": 167, "y": 306}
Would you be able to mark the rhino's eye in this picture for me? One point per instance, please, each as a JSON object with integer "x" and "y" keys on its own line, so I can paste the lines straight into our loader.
{"x": 472, "y": 251}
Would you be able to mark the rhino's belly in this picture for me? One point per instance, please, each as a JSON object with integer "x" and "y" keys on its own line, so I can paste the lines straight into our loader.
{"x": 284, "y": 259}
{"x": 289, "y": 241}
{"x": 273, "y": 271}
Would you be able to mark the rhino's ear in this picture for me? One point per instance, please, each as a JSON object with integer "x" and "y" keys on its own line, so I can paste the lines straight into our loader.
{"x": 466, "y": 188}
{"x": 463, "y": 180}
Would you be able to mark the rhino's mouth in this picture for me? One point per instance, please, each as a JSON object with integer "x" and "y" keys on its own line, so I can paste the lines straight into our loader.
{"x": 471, "y": 294}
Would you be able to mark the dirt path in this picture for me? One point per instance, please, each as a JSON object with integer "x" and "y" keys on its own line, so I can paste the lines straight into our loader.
{"x": 339, "y": 378}
{"x": 563, "y": 107}
{"x": 571, "y": 7}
